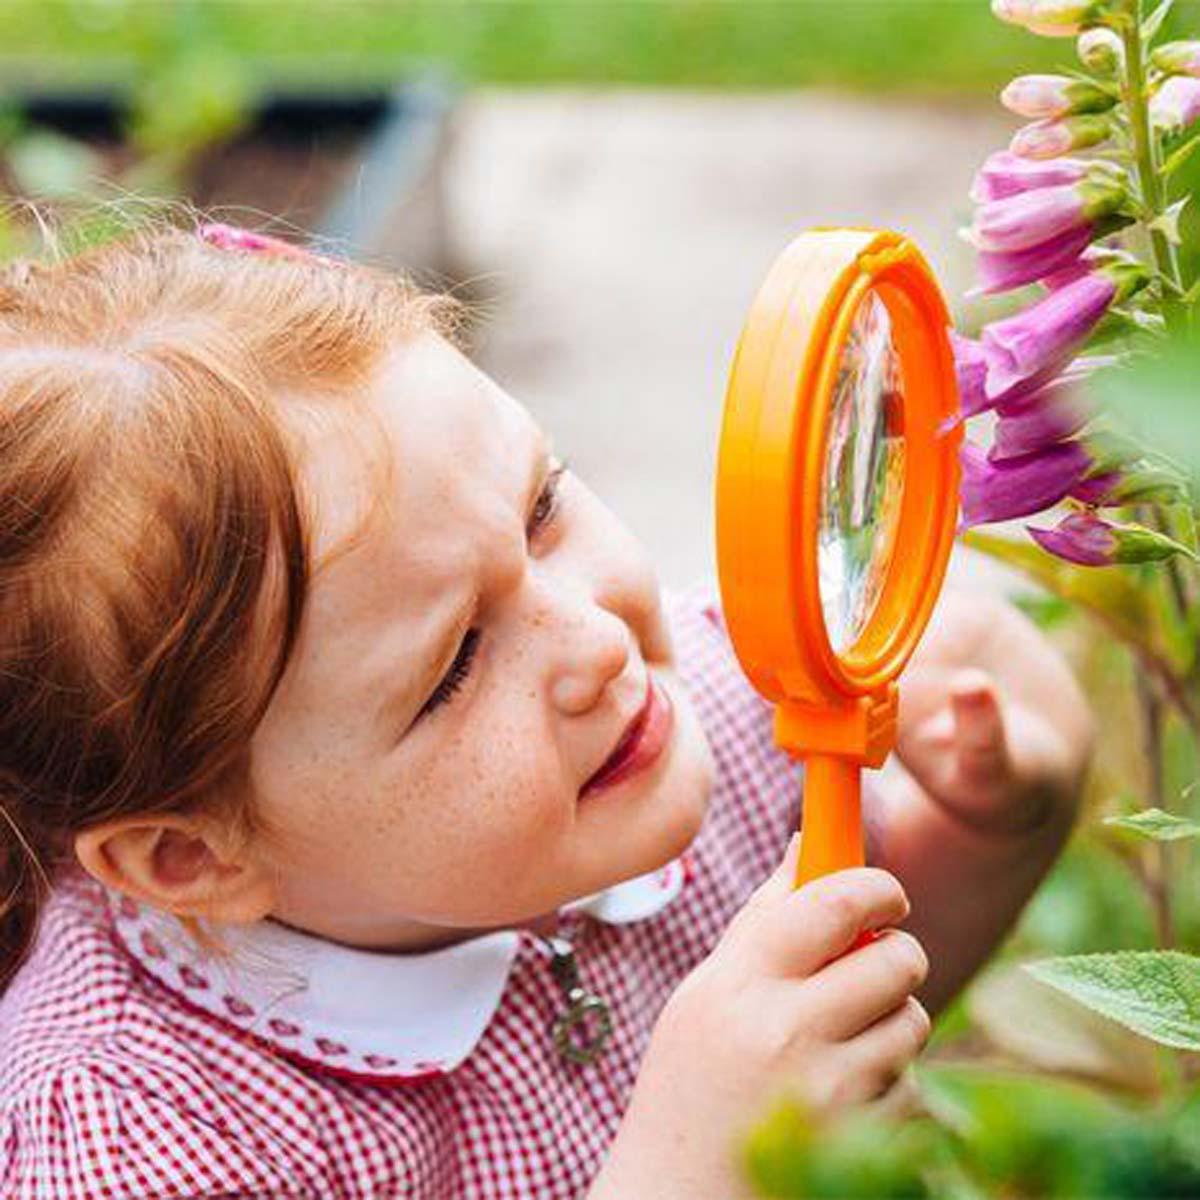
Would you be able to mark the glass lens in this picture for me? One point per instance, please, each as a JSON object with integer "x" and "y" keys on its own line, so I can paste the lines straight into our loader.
{"x": 864, "y": 476}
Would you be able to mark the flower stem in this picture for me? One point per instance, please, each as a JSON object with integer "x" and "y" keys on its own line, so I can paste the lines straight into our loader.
{"x": 1156, "y": 873}
{"x": 1145, "y": 154}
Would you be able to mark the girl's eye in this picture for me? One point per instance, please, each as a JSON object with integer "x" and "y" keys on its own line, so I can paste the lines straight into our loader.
{"x": 544, "y": 510}
{"x": 454, "y": 678}
{"x": 546, "y": 505}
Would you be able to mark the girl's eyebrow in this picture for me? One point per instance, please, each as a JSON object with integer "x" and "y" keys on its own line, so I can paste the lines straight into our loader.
{"x": 446, "y": 645}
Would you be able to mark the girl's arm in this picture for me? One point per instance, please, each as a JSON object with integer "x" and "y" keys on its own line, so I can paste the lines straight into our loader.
{"x": 994, "y": 740}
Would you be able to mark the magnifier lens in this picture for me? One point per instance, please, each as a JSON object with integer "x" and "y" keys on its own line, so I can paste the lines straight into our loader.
{"x": 864, "y": 476}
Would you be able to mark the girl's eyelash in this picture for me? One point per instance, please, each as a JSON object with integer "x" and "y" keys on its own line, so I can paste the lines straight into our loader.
{"x": 456, "y": 676}
{"x": 544, "y": 511}
{"x": 546, "y": 505}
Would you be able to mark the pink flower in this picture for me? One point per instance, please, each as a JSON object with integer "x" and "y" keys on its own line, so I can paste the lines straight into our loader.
{"x": 1178, "y": 58}
{"x": 1034, "y": 217}
{"x": 1018, "y": 487}
{"x": 1049, "y": 139}
{"x": 1000, "y": 271}
{"x": 1176, "y": 104}
{"x": 1042, "y": 96}
{"x": 1007, "y": 174}
{"x": 1047, "y": 333}
{"x": 1079, "y": 538}
{"x": 1037, "y": 419}
{"x": 970, "y": 361}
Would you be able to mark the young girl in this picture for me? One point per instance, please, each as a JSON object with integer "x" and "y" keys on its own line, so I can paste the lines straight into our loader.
{"x": 382, "y": 833}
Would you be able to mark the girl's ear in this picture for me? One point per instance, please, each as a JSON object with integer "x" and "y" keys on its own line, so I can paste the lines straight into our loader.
{"x": 178, "y": 863}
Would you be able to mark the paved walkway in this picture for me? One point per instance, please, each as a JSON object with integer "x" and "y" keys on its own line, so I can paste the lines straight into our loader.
{"x": 622, "y": 235}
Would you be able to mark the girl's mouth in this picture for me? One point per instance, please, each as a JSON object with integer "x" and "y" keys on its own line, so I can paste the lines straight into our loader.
{"x": 641, "y": 743}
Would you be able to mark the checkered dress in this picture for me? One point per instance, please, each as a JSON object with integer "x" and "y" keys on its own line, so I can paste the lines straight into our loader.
{"x": 113, "y": 1084}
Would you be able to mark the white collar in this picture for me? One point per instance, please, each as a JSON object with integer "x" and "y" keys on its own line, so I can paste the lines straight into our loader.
{"x": 357, "y": 1013}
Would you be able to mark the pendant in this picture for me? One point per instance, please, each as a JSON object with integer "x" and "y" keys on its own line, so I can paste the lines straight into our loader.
{"x": 582, "y": 1028}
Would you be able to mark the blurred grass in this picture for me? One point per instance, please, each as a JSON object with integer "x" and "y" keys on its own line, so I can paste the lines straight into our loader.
{"x": 927, "y": 46}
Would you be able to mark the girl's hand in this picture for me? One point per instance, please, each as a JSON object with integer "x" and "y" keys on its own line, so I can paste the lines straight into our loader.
{"x": 782, "y": 1005}
{"x": 993, "y": 727}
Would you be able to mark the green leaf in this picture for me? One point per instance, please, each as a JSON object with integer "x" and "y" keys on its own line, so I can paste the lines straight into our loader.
{"x": 1178, "y": 157}
{"x": 1153, "y": 992}
{"x": 1157, "y": 825}
{"x": 1155, "y": 398}
{"x": 1153, "y": 23}
{"x": 1167, "y": 222}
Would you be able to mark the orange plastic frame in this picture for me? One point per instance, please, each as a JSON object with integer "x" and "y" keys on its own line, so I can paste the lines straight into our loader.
{"x": 836, "y": 712}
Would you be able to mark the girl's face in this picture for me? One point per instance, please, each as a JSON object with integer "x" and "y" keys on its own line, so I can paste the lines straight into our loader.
{"x": 462, "y": 673}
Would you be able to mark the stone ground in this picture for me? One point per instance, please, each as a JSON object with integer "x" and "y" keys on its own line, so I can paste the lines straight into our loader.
{"x": 621, "y": 236}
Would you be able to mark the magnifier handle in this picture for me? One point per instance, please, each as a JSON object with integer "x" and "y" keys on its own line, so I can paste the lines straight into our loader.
{"x": 833, "y": 838}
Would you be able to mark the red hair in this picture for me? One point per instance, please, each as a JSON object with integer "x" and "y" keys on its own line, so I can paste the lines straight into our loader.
{"x": 153, "y": 542}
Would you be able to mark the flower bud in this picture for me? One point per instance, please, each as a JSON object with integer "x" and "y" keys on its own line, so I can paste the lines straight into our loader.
{"x": 1049, "y": 139}
{"x": 1176, "y": 104}
{"x": 1178, "y": 58}
{"x": 1057, "y": 18}
{"x": 1044, "y": 96}
{"x": 1090, "y": 541}
{"x": 1101, "y": 51}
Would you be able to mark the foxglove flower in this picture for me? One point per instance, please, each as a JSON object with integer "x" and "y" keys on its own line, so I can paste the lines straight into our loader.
{"x": 1000, "y": 271}
{"x": 1033, "y": 218}
{"x": 1018, "y": 487}
{"x": 1176, "y": 104}
{"x": 1091, "y": 541}
{"x": 1047, "y": 333}
{"x": 1037, "y": 419}
{"x": 1048, "y": 96}
{"x": 1007, "y": 174}
{"x": 970, "y": 363}
{"x": 1178, "y": 58}
{"x": 1049, "y": 139}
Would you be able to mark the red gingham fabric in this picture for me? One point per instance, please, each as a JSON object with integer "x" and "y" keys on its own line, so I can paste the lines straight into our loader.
{"x": 113, "y": 1086}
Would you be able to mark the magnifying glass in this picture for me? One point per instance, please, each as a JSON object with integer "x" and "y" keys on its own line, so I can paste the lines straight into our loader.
{"x": 837, "y": 497}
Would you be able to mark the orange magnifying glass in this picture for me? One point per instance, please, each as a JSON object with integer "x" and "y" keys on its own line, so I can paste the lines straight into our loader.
{"x": 837, "y": 497}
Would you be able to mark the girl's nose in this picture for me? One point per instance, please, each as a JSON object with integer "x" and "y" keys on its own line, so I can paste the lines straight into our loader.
{"x": 594, "y": 651}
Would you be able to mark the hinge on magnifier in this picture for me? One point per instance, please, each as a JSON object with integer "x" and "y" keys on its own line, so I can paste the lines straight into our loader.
{"x": 861, "y": 730}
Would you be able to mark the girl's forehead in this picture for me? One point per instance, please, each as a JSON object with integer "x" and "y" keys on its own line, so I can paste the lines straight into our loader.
{"x": 430, "y": 431}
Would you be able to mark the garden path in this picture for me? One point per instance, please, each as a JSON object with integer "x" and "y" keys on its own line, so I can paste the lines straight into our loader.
{"x": 621, "y": 235}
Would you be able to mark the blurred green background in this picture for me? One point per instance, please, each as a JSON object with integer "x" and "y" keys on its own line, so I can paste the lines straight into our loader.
{"x": 924, "y": 46}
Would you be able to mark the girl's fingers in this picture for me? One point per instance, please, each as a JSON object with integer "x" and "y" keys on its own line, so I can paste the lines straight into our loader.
{"x": 878, "y": 1056}
{"x": 791, "y": 933}
{"x": 854, "y": 992}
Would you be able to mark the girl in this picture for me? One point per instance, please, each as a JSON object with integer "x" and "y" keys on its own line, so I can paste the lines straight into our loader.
{"x": 382, "y": 833}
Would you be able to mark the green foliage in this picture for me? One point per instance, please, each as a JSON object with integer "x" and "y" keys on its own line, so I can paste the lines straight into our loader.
{"x": 988, "y": 1133}
{"x": 1157, "y": 825}
{"x": 917, "y": 45}
{"x": 1153, "y": 992}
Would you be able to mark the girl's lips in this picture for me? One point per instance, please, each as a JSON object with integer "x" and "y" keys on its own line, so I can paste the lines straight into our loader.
{"x": 640, "y": 744}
